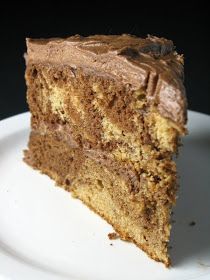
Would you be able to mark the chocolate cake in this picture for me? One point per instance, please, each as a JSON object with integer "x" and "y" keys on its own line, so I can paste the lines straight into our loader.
{"x": 107, "y": 113}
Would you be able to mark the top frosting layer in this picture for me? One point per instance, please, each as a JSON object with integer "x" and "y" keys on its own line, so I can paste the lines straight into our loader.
{"x": 150, "y": 63}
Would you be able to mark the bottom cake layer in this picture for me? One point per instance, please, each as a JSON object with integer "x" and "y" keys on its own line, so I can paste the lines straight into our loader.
{"x": 106, "y": 192}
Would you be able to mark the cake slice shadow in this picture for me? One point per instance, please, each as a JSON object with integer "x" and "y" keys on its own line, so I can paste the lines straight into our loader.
{"x": 190, "y": 237}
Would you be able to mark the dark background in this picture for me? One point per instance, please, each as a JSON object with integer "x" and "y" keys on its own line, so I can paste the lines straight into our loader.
{"x": 186, "y": 24}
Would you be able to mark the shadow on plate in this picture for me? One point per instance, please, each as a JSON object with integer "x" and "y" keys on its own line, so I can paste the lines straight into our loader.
{"x": 190, "y": 238}
{"x": 11, "y": 141}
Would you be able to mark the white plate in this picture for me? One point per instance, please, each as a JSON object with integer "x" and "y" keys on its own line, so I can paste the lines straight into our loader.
{"x": 47, "y": 235}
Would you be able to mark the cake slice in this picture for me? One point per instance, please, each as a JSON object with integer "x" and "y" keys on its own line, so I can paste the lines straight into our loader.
{"x": 107, "y": 113}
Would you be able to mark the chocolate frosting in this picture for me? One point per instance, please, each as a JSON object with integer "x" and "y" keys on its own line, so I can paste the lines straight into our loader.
{"x": 150, "y": 63}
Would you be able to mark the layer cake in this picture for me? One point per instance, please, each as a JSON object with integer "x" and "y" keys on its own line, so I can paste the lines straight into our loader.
{"x": 107, "y": 114}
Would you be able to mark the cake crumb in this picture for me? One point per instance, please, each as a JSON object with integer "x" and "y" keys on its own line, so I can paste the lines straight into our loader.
{"x": 113, "y": 235}
{"x": 192, "y": 224}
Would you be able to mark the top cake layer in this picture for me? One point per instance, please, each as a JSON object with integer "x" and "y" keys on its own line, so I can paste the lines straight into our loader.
{"x": 150, "y": 64}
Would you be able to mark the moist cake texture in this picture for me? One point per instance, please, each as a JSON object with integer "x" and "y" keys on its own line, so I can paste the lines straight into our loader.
{"x": 107, "y": 113}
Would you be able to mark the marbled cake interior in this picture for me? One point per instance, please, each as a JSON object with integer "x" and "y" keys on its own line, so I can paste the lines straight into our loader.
{"x": 104, "y": 141}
